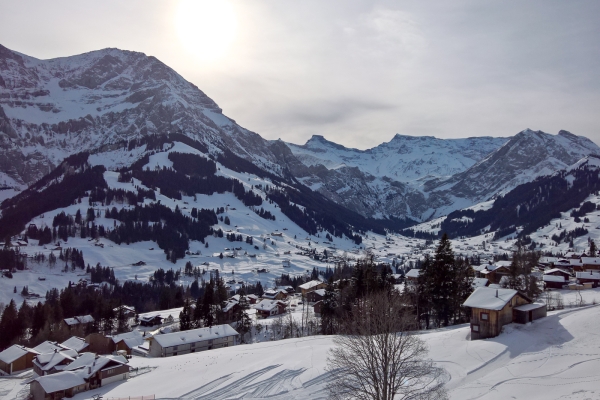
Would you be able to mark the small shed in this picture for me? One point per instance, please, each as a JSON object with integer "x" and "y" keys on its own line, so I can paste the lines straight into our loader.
{"x": 529, "y": 312}
{"x": 491, "y": 309}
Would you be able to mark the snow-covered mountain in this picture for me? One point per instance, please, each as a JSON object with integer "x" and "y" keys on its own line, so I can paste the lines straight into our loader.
{"x": 426, "y": 177}
{"x": 112, "y": 99}
{"x": 96, "y": 102}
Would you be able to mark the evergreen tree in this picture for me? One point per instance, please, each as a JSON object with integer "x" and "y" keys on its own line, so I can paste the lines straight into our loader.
{"x": 9, "y": 325}
{"x": 244, "y": 323}
{"x": 593, "y": 249}
{"x": 185, "y": 316}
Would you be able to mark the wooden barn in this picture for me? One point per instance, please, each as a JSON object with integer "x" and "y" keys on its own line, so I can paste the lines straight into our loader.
{"x": 491, "y": 309}
{"x": 554, "y": 281}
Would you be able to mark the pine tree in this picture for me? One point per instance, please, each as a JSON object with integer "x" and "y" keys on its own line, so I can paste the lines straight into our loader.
{"x": 185, "y": 316}
{"x": 244, "y": 323}
{"x": 9, "y": 325}
{"x": 441, "y": 293}
{"x": 592, "y": 248}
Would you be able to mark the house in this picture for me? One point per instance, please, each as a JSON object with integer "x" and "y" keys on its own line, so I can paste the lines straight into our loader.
{"x": 554, "y": 281}
{"x": 412, "y": 276}
{"x": 558, "y": 272}
{"x": 316, "y": 295}
{"x": 317, "y": 308}
{"x": 151, "y": 320}
{"x": 51, "y": 363}
{"x": 178, "y": 343}
{"x": 229, "y": 310}
{"x": 76, "y": 343}
{"x": 88, "y": 371}
{"x": 275, "y": 294}
{"x": 267, "y": 308}
{"x": 126, "y": 341}
{"x": 590, "y": 263}
{"x": 588, "y": 277}
{"x": 251, "y": 298}
{"x": 310, "y": 286}
{"x": 495, "y": 272}
{"x": 80, "y": 321}
{"x": 491, "y": 309}
{"x": 16, "y": 358}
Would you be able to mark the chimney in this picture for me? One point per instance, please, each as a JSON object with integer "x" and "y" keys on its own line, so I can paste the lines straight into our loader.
{"x": 496, "y": 292}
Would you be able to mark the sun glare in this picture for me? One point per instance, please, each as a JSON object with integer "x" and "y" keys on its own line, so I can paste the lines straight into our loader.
{"x": 206, "y": 28}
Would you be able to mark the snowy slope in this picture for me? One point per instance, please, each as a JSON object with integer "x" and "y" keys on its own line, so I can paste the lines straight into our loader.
{"x": 553, "y": 358}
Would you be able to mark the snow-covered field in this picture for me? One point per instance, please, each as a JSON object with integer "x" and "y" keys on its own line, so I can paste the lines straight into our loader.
{"x": 557, "y": 357}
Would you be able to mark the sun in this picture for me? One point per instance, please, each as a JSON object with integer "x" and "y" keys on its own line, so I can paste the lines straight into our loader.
{"x": 206, "y": 28}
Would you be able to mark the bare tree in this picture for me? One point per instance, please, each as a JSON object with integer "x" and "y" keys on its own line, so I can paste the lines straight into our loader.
{"x": 378, "y": 357}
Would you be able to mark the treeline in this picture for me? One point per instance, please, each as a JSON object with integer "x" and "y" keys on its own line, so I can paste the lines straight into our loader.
{"x": 531, "y": 205}
{"x": 61, "y": 188}
{"x": 12, "y": 259}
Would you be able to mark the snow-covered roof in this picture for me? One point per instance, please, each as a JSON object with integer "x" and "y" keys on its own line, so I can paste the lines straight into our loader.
{"x": 320, "y": 292}
{"x": 553, "y": 278}
{"x": 413, "y": 273}
{"x": 131, "y": 339}
{"x": 61, "y": 381}
{"x": 82, "y": 319}
{"x": 75, "y": 343}
{"x": 529, "y": 307}
{"x": 229, "y": 305}
{"x": 590, "y": 260}
{"x": 267, "y": 305}
{"x": 15, "y": 352}
{"x": 490, "y": 299}
{"x": 195, "y": 335}
{"x": 49, "y": 347}
{"x": 480, "y": 267}
{"x": 552, "y": 270}
{"x": 48, "y": 360}
{"x": 90, "y": 363}
{"x": 479, "y": 282}
{"x": 587, "y": 275}
{"x": 310, "y": 284}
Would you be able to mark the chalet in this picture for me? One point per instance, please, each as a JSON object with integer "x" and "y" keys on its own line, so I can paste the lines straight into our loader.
{"x": 229, "y": 310}
{"x": 317, "y": 308}
{"x": 82, "y": 321}
{"x": 412, "y": 276}
{"x": 495, "y": 272}
{"x": 588, "y": 277}
{"x": 590, "y": 263}
{"x": 178, "y": 343}
{"x": 316, "y": 295}
{"x": 311, "y": 286}
{"x": 88, "y": 371}
{"x": 554, "y": 281}
{"x": 558, "y": 272}
{"x": 126, "y": 341}
{"x": 151, "y": 320}
{"x": 275, "y": 294}
{"x": 51, "y": 363}
{"x": 251, "y": 298}
{"x": 491, "y": 309}
{"x": 16, "y": 358}
{"x": 267, "y": 308}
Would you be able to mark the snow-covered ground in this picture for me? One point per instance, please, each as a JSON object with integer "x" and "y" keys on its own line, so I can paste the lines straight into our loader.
{"x": 556, "y": 357}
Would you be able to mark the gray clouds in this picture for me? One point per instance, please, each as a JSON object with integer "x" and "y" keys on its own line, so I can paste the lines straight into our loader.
{"x": 359, "y": 71}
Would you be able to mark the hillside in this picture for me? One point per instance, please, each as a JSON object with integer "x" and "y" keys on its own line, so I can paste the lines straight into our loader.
{"x": 558, "y": 351}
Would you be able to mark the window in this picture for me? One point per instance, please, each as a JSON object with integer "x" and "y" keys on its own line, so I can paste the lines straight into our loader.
{"x": 485, "y": 316}
{"x": 174, "y": 348}
{"x": 475, "y": 328}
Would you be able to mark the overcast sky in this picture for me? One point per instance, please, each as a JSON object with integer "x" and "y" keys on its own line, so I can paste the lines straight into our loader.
{"x": 354, "y": 71}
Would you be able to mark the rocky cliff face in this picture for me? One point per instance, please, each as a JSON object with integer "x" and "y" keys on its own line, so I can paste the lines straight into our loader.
{"x": 52, "y": 108}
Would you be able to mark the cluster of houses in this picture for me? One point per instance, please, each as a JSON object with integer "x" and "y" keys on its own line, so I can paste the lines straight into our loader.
{"x": 64, "y": 369}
